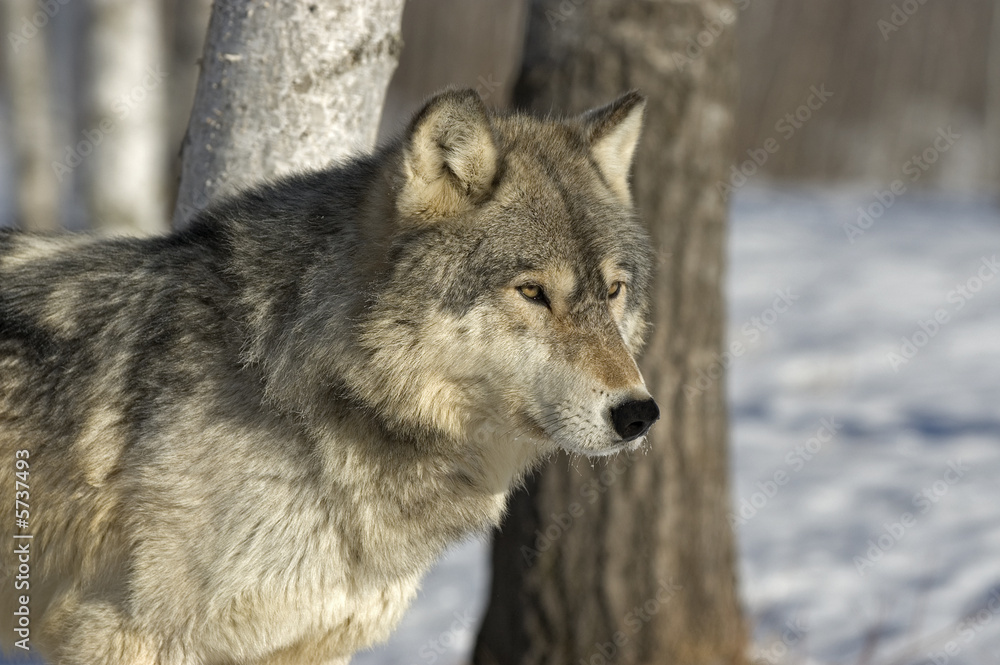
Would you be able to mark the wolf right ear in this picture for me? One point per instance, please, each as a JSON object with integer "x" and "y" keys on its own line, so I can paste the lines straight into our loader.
{"x": 613, "y": 132}
{"x": 449, "y": 157}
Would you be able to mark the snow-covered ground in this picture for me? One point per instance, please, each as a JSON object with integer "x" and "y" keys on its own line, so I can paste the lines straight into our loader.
{"x": 866, "y": 425}
{"x": 866, "y": 470}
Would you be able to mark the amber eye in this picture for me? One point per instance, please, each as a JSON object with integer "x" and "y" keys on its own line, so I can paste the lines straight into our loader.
{"x": 616, "y": 290}
{"x": 534, "y": 293}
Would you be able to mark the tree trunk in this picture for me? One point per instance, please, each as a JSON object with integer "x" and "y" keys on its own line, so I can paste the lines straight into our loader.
{"x": 434, "y": 31}
{"x": 632, "y": 559}
{"x": 285, "y": 86}
{"x": 127, "y": 117}
{"x": 186, "y": 26}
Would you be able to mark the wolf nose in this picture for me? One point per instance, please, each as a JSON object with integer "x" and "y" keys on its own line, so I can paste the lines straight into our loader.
{"x": 633, "y": 418}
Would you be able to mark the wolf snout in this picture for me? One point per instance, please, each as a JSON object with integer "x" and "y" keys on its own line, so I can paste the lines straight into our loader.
{"x": 633, "y": 418}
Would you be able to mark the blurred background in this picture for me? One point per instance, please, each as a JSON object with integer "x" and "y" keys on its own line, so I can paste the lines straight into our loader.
{"x": 863, "y": 289}
{"x": 71, "y": 66}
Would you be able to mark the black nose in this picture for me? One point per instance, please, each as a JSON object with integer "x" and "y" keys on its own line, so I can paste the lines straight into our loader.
{"x": 633, "y": 418}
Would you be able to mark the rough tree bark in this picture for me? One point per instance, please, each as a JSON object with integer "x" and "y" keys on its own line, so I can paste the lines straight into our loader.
{"x": 632, "y": 560}
{"x": 285, "y": 85}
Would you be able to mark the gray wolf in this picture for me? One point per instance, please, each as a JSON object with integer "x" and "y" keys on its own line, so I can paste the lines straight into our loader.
{"x": 245, "y": 441}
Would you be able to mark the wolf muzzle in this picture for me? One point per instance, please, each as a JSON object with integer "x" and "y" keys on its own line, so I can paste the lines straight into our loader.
{"x": 633, "y": 418}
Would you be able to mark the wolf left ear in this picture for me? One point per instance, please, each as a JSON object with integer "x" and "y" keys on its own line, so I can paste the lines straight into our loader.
{"x": 449, "y": 158}
{"x": 613, "y": 132}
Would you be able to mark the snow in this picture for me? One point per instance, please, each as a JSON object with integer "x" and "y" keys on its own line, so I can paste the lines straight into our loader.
{"x": 873, "y": 528}
{"x": 889, "y": 531}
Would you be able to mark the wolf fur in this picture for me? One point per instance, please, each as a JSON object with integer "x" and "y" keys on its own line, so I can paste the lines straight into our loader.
{"x": 247, "y": 440}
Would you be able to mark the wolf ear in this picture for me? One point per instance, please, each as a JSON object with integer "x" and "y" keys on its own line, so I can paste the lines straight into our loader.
{"x": 613, "y": 132}
{"x": 449, "y": 157}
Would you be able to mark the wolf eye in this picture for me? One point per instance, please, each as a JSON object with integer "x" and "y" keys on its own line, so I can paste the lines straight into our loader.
{"x": 615, "y": 290}
{"x": 534, "y": 293}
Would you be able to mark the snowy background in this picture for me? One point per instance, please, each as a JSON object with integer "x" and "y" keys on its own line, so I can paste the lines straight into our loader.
{"x": 866, "y": 486}
{"x": 883, "y": 546}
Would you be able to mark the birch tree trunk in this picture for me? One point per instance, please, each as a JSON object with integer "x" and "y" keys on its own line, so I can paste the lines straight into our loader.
{"x": 632, "y": 560}
{"x": 285, "y": 85}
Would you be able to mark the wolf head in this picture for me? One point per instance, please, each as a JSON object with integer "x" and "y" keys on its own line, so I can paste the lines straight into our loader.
{"x": 516, "y": 278}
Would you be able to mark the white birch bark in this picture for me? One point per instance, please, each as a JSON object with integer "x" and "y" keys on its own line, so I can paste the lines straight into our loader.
{"x": 285, "y": 85}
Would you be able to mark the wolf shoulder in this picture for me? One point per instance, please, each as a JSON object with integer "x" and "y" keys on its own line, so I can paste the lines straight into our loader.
{"x": 87, "y": 322}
